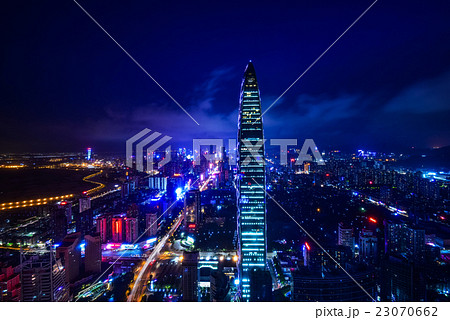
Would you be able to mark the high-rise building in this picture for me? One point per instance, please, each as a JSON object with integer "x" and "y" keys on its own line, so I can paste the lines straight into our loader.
{"x": 93, "y": 253}
{"x": 70, "y": 254}
{"x": 151, "y": 224}
{"x": 43, "y": 278}
{"x": 367, "y": 245}
{"x": 192, "y": 208}
{"x": 84, "y": 216}
{"x": 250, "y": 183}
{"x": 102, "y": 227}
{"x": 131, "y": 228}
{"x": 89, "y": 154}
{"x": 345, "y": 236}
{"x": 58, "y": 223}
{"x": 190, "y": 275}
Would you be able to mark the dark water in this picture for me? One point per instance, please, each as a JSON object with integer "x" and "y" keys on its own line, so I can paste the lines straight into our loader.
{"x": 24, "y": 184}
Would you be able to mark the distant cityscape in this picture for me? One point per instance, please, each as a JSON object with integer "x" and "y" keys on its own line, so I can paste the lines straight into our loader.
{"x": 355, "y": 226}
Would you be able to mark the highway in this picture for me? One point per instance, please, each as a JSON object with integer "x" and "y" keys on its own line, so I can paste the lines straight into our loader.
{"x": 137, "y": 290}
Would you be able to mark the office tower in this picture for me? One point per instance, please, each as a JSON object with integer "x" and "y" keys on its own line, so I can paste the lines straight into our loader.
{"x": 84, "y": 217}
{"x": 367, "y": 245}
{"x": 43, "y": 278}
{"x": 58, "y": 223}
{"x": 89, "y": 154}
{"x": 70, "y": 254}
{"x": 190, "y": 276}
{"x": 131, "y": 229}
{"x": 93, "y": 253}
{"x": 250, "y": 183}
{"x": 192, "y": 208}
{"x": 405, "y": 240}
{"x": 345, "y": 236}
{"x": 151, "y": 224}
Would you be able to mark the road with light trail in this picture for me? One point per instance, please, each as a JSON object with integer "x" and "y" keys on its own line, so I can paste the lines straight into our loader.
{"x": 136, "y": 291}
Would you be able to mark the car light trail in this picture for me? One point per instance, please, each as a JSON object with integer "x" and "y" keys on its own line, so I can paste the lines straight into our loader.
{"x": 155, "y": 253}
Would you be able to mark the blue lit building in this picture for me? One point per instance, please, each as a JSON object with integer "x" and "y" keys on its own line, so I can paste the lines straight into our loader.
{"x": 250, "y": 178}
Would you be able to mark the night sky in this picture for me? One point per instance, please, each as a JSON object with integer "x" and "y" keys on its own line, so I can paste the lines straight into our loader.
{"x": 65, "y": 86}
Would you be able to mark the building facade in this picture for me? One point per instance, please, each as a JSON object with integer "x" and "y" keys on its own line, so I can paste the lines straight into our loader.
{"x": 250, "y": 184}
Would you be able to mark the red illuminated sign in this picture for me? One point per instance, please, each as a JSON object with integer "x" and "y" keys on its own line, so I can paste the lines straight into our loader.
{"x": 307, "y": 246}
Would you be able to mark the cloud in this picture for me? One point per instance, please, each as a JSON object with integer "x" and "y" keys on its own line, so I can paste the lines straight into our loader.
{"x": 120, "y": 123}
{"x": 426, "y": 96}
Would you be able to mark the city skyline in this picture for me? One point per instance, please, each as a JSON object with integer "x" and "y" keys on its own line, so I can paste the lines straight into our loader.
{"x": 144, "y": 160}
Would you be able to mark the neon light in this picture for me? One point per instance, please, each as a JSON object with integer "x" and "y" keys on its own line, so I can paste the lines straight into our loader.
{"x": 307, "y": 246}
{"x": 372, "y": 220}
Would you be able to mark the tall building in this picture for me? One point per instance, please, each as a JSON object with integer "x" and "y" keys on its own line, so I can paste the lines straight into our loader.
{"x": 84, "y": 218}
{"x": 58, "y": 223}
{"x": 190, "y": 276}
{"x": 102, "y": 227}
{"x": 70, "y": 254}
{"x": 367, "y": 244}
{"x": 131, "y": 228}
{"x": 345, "y": 236}
{"x": 250, "y": 183}
{"x": 43, "y": 278}
{"x": 192, "y": 208}
{"x": 93, "y": 253}
{"x": 151, "y": 224}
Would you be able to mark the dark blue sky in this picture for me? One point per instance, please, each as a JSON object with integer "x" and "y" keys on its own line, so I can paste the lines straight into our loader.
{"x": 64, "y": 85}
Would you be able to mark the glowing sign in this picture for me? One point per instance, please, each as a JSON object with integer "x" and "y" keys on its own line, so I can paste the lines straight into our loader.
{"x": 128, "y": 246}
{"x": 372, "y": 220}
{"x": 307, "y": 246}
{"x": 110, "y": 246}
{"x": 190, "y": 240}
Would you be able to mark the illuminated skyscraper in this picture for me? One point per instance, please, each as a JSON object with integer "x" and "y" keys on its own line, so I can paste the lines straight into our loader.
{"x": 250, "y": 185}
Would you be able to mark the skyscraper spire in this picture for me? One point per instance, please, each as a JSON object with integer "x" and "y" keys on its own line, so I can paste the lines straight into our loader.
{"x": 251, "y": 177}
